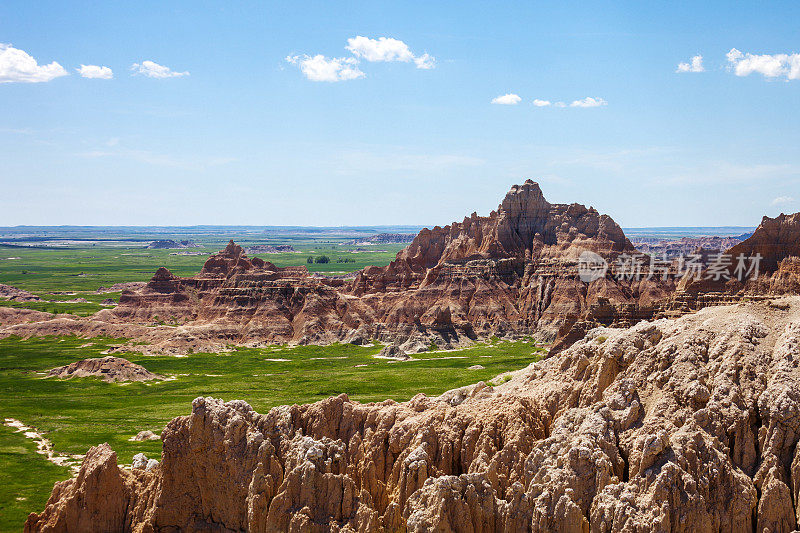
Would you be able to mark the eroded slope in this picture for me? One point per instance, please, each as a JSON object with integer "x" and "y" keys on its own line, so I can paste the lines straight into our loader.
{"x": 683, "y": 425}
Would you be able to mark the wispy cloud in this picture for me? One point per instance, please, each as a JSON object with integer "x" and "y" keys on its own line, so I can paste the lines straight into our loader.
{"x": 17, "y": 131}
{"x": 724, "y": 172}
{"x": 113, "y": 150}
{"x": 782, "y": 200}
{"x": 589, "y": 102}
{"x": 513, "y": 99}
{"x": 383, "y": 160}
{"x": 321, "y": 68}
{"x": 17, "y": 66}
{"x": 768, "y": 65}
{"x": 507, "y": 99}
{"x": 151, "y": 69}
{"x": 95, "y": 72}
{"x": 694, "y": 65}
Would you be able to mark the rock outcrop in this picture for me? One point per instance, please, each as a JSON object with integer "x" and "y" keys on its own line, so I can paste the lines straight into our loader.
{"x": 673, "y": 249}
{"x": 516, "y": 271}
{"x": 110, "y": 369}
{"x": 169, "y": 244}
{"x": 8, "y": 292}
{"x": 270, "y": 249}
{"x": 776, "y": 271}
{"x": 383, "y": 238}
{"x": 672, "y": 425}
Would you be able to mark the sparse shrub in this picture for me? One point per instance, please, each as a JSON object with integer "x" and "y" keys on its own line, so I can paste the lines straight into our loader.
{"x": 601, "y": 339}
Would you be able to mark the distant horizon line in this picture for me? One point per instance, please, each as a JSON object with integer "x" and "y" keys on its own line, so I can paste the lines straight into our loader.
{"x": 346, "y": 226}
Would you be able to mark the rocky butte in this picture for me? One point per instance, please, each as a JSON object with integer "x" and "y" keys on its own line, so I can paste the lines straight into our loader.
{"x": 512, "y": 272}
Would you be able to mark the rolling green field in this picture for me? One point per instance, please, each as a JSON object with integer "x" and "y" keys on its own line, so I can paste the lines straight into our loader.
{"x": 82, "y": 267}
{"x": 82, "y": 412}
{"x": 40, "y": 270}
{"x": 79, "y": 413}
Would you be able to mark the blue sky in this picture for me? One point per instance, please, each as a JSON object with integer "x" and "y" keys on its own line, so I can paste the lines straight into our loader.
{"x": 234, "y": 133}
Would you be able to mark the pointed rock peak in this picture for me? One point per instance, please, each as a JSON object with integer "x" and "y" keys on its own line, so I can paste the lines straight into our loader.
{"x": 233, "y": 250}
{"x": 163, "y": 273}
{"x": 525, "y": 198}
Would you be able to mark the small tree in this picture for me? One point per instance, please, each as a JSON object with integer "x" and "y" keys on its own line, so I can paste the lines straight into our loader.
{"x": 322, "y": 259}
{"x": 310, "y": 260}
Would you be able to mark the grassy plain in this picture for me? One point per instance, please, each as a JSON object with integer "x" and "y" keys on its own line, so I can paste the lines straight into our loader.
{"x": 83, "y": 268}
{"x": 78, "y": 413}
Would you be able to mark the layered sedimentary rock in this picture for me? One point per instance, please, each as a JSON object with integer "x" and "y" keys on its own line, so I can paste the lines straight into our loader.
{"x": 672, "y": 425}
{"x": 687, "y": 245}
{"x": 513, "y": 272}
{"x": 765, "y": 264}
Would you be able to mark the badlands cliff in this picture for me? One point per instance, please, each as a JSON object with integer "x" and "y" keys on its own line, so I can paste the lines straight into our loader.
{"x": 671, "y": 425}
{"x": 515, "y": 271}
{"x": 512, "y": 272}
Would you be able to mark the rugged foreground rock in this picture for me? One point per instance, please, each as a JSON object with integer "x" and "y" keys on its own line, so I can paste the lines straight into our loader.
{"x": 672, "y": 425}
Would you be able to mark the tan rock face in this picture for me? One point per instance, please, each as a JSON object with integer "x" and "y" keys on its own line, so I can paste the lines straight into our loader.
{"x": 775, "y": 239}
{"x": 514, "y": 271}
{"x": 683, "y": 425}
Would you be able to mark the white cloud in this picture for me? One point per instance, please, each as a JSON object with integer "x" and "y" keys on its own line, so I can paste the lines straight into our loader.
{"x": 154, "y": 70}
{"x": 560, "y": 104}
{"x": 425, "y": 61}
{"x": 95, "y": 72}
{"x": 696, "y": 65}
{"x": 507, "y": 99}
{"x": 380, "y": 49}
{"x": 387, "y": 49}
{"x": 18, "y": 66}
{"x": 782, "y": 200}
{"x": 541, "y": 103}
{"x": 768, "y": 65}
{"x": 589, "y": 102}
{"x": 321, "y": 68}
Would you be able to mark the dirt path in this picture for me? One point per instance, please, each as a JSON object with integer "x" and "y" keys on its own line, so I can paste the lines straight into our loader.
{"x": 45, "y": 447}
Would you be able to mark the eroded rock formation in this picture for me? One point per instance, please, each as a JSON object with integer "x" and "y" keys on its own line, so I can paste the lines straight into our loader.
{"x": 513, "y": 272}
{"x": 672, "y": 425}
{"x": 111, "y": 369}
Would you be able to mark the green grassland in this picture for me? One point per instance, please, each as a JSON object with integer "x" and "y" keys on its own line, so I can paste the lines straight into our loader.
{"x": 26, "y": 479}
{"x": 82, "y": 268}
{"x": 78, "y": 413}
{"x": 42, "y": 270}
